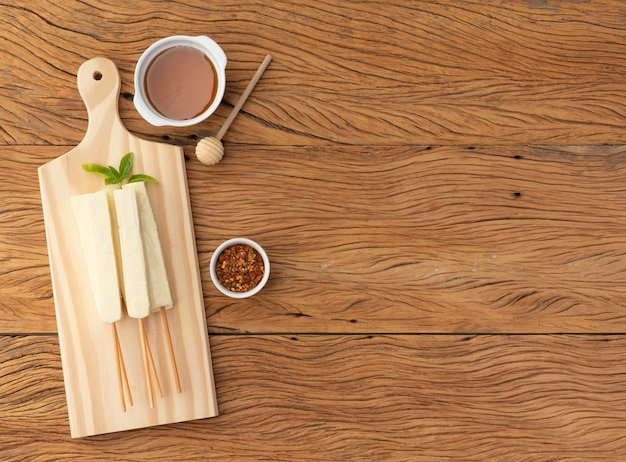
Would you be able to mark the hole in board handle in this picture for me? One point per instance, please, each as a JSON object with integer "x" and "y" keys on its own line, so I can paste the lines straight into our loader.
{"x": 97, "y": 75}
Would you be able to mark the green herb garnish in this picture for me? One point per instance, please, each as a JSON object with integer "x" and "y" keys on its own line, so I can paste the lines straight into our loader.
{"x": 114, "y": 175}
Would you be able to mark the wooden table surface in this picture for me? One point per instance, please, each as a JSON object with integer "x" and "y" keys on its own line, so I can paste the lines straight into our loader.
{"x": 441, "y": 189}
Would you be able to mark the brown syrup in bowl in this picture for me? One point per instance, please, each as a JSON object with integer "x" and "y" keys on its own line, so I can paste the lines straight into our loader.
{"x": 181, "y": 83}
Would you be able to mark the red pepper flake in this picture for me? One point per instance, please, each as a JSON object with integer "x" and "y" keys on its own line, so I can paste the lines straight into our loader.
{"x": 239, "y": 268}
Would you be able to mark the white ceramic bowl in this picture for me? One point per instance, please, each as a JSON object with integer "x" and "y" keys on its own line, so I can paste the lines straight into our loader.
{"x": 204, "y": 44}
{"x": 218, "y": 252}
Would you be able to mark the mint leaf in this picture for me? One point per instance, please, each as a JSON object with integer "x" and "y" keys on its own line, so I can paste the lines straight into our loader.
{"x": 126, "y": 164}
{"x": 114, "y": 176}
{"x": 114, "y": 172}
{"x": 97, "y": 169}
{"x": 141, "y": 177}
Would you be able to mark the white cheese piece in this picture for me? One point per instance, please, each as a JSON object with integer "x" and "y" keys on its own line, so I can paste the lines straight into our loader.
{"x": 158, "y": 285}
{"x": 115, "y": 233}
{"x": 93, "y": 217}
{"x": 132, "y": 254}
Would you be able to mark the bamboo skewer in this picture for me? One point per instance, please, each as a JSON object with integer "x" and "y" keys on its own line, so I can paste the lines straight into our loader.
{"x": 146, "y": 367}
{"x": 121, "y": 370}
{"x": 153, "y": 373}
{"x": 152, "y": 376}
{"x": 170, "y": 349}
{"x": 123, "y": 366}
{"x": 118, "y": 367}
{"x": 125, "y": 379}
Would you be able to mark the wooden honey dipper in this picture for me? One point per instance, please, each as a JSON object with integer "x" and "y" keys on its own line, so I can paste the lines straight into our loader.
{"x": 210, "y": 150}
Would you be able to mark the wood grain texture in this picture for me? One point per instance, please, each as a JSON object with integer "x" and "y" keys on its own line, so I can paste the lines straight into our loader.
{"x": 376, "y": 398}
{"x": 501, "y": 239}
{"x": 501, "y": 72}
{"x": 424, "y": 240}
{"x": 440, "y": 187}
{"x": 25, "y": 287}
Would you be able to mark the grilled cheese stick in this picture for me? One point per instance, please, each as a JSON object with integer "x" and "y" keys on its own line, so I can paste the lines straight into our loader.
{"x": 93, "y": 217}
{"x": 158, "y": 285}
{"x": 131, "y": 253}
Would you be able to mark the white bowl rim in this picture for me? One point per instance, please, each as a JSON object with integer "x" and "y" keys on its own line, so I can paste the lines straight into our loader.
{"x": 218, "y": 251}
{"x": 202, "y": 43}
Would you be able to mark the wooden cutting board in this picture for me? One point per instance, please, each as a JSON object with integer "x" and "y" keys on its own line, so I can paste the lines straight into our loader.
{"x": 87, "y": 349}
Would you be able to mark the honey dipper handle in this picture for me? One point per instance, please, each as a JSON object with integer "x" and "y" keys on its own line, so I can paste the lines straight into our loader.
{"x": 244, "y": 96}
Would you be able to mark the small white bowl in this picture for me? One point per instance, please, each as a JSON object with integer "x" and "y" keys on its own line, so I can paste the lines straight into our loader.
{"x": 260, "y": 251}
{"x": 204, "y": 44}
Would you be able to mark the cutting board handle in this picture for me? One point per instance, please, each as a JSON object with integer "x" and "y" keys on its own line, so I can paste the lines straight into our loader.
{"x": 99, "y": 86}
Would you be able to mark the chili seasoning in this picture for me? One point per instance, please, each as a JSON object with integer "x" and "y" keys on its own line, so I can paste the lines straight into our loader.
{"x": 239, "y": 268}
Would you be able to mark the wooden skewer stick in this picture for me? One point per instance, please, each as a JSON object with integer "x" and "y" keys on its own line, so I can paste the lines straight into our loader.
{"x": 123, "y": 366}
{"x": 170, "y": 349}
{"x": 153, "y": 373}
{"x": 118, "y": 366}
{"x": 146, "y": 367}
{"x": 210, "y": 150}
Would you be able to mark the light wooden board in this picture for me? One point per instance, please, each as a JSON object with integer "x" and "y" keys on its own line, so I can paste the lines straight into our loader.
{"x": 87, "y": 348}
